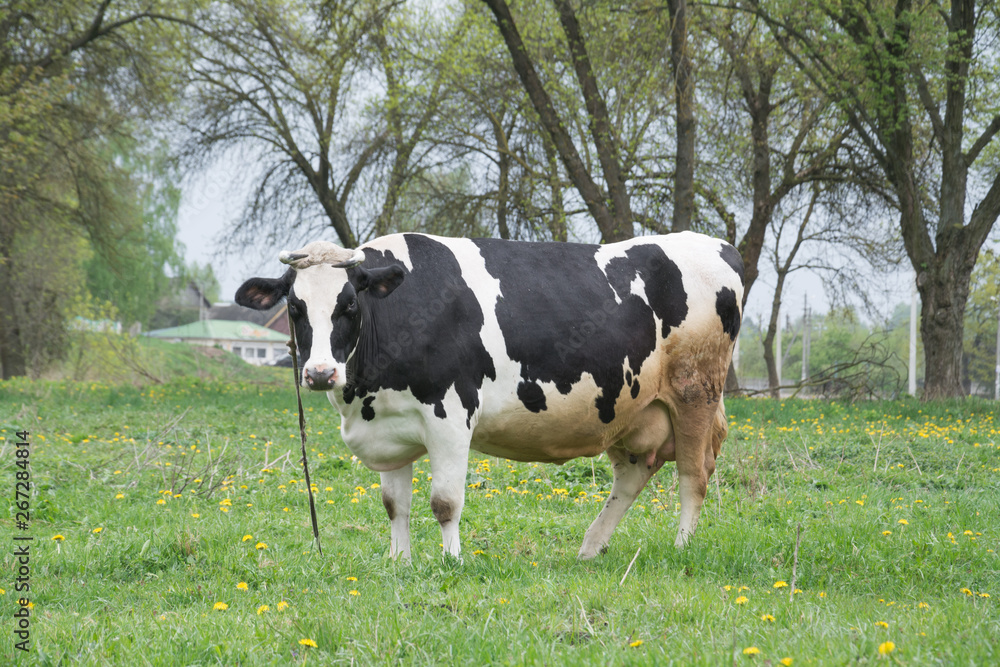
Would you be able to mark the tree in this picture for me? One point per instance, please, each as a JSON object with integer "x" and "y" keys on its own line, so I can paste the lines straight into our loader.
{"x": 610, "y": 206}
{"x": 914, "y": 82}
{"x": 67, "y": 80}
{"x": 281, "y": 85}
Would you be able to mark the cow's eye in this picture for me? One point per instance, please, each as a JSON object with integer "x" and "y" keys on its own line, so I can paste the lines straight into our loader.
{"x": 293, "y": 310}
{"x": 352, "y": 305}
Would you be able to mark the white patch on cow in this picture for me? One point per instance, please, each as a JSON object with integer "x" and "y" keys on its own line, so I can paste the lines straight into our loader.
{"x": 395, "y": 243}
{"x": 608, "y": 252}
{"x": 487, "y": 290}
{"x": 318, "y": 286}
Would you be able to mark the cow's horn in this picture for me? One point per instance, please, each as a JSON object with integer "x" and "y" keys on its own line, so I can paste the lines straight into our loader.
{"x": 355, "y": 259}
{"x": 321, "y": 252}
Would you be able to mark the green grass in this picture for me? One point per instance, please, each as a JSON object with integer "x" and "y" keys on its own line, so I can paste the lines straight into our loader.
{"x": 142, "y": 590}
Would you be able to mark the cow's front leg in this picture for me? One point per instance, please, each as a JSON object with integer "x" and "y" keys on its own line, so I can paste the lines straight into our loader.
{"x": 397, "y": 492}
{"x": 448, "y": 473}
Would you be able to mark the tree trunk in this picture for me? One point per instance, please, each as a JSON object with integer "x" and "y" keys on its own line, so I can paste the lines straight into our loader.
{"x": 614, "y": 220}
{"x": 686, "y": 127}
{"x": 944, "y": 292}
{"x": 12, "y": 352}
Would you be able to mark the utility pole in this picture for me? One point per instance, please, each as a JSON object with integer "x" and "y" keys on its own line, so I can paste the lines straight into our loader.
{"x": 996, "y": 381}
{"x": 806, "y": 336}
{"x": 913, "y": 340}
{"x": 777, "y": 346}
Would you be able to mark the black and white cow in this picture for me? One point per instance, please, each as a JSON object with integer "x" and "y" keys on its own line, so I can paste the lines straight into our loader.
{"x": 527, "y": 351}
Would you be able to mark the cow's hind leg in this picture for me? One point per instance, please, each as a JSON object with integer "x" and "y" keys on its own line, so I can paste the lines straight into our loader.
{"x": 699, "y": 435}
{"x": 630, "y": 475}
{"x": 397, "y": 492}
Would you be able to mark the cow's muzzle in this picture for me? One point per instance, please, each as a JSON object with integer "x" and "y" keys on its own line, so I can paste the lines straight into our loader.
{"x": 320, "y": 378}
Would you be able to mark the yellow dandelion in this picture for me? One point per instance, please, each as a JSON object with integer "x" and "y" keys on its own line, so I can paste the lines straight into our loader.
{"x": 242, "y": 586}
{"x": 967, "y": 591}
{"x": 220, "y": 606}
{"x": 983, "y": 595}
{"x": 741, "y": 599}
{"x": 881, "y": 624}
{"x": 247, "y": 538}
{"x": 58, "y": 538}
{"x": 352, "y": 578}
{"x": 261, "y": 609}
{"x": 119, "y": 496}
{"x": 97, "y": 530}
{"x": 308, "y": 642}
{"x": 261, "y": 545}
{"x": 196, "y": 515}
{"x": 636, "y": 644}
{"x": 282, "y": 605}
{"x": 887, "y": 532}
{"x": 353, "y": 592}
{"x": 751, "y": 650}
{"x": 886, "y": 648}
{"x": 161, "y": 501}
{"x": 923, "y": 605}
{"x": 768, "y": 618}
{"x": 903, "y": 522}
{"x": 787, "y": 662}
{"x": 780, "y": 584}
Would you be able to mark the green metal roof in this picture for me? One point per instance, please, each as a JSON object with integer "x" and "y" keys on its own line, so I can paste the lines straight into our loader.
{"x": 224, "y": 329}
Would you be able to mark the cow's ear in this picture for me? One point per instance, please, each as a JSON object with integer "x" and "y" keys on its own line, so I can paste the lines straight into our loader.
{"x": 380, "y": 283}
{"x": 263, "y": 293}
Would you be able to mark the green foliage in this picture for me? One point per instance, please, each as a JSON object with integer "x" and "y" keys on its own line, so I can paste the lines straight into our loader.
{"x": 182, "y": 483}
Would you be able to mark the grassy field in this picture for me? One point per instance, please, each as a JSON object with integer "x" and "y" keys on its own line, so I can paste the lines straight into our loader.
{"x": 171, "y": 527}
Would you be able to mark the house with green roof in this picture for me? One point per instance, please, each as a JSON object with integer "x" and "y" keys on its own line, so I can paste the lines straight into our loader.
{"x": 255, "y": 344}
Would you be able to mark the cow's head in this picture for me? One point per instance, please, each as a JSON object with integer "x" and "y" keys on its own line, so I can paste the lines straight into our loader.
{"x": 328, "y": 291}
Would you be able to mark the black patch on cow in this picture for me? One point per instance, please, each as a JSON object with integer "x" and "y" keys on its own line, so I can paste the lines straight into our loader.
{"x": 628, "y": 376}
{"x": 560, "y": 316}
{"x": 732, "y": 257}
{"x": 635, "y": 389}
{"x": 662, "y": 278}
{"x": 729, "y": 311}
{"x": 367, "y": 411}
{"x": 425, "y": 336}
{"x": 532, "y": 396}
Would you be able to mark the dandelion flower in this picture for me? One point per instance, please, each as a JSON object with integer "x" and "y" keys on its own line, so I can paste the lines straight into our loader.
{"x": 787, "y": 662}
{"x": 881, "y": 624}
{"x": 261, "y": 609}
{"x": 242, "y": 586}
{"x": 161, "y": 501}
{"x": 261, "y": 545}
{"x": 741, "y": 599}
{"x": 196, "y": 515}
{"x": 98, "y": 530}
{"x": 354, "y": 592}
{"x": 903, "y": 522}
{"x": 751, "y": 650}
{"x": 636, "y": 644}
{"x": 247, "y": 538}
{"x": 58, "y": 538}
{"x": 887, "y": 532}
{"x": 352, "y": 578}
{"x": 768, "y": 618}
{"x": 308, "y": 642}
{"x": 119, "y": 496}
{"x": 886, "y": 647}
{"x": 780, "y": 584}
{"x": 923, "y": 605}
{"x": 967, "y": 591}
{"x": 282, "y": 605}
{"x": 220, "y": 606}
